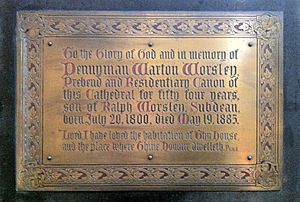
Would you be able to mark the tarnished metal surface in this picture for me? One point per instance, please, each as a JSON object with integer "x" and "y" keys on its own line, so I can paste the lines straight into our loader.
{"x": 120, "y": 101}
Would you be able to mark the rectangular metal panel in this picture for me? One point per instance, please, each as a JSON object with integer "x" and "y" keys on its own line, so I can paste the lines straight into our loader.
{"x": 149, "y": 101}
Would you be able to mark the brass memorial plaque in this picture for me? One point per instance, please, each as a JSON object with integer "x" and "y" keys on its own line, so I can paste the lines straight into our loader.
{"x": 149, "y": 101}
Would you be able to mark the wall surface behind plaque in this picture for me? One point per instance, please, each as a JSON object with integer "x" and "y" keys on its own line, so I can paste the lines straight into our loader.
{"x": 291, "y": 137}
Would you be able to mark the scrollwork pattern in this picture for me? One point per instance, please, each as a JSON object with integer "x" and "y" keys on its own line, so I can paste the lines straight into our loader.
{"x": 153, "y": 26}
{"x": 151, "y": 174}
{"x": 267, "y": 29}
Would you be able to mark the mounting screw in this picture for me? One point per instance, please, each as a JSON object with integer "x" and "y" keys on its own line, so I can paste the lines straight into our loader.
{"x": 249, "y": 157}
{"x": 49, "y": 158}
{"x": 50, "y": 43}
{"x": 150, "y": 44}
{"x": 150, "y": 157}
{"x": 250, "y": 44}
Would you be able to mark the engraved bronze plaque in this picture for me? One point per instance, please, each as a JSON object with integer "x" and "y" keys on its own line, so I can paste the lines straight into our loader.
{"x": 149, "y": 101}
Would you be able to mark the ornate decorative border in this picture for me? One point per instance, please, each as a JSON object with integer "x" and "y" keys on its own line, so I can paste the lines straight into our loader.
{"x": 32, "y": 175}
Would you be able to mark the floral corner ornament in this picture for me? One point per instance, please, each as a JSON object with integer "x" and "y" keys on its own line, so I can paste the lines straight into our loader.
{"x": 32, "y": 24}
{"x": 267, "y": 26}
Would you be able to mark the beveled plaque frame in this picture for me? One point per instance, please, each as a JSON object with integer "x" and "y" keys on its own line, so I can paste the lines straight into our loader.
{"x": 264, "y": 175}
